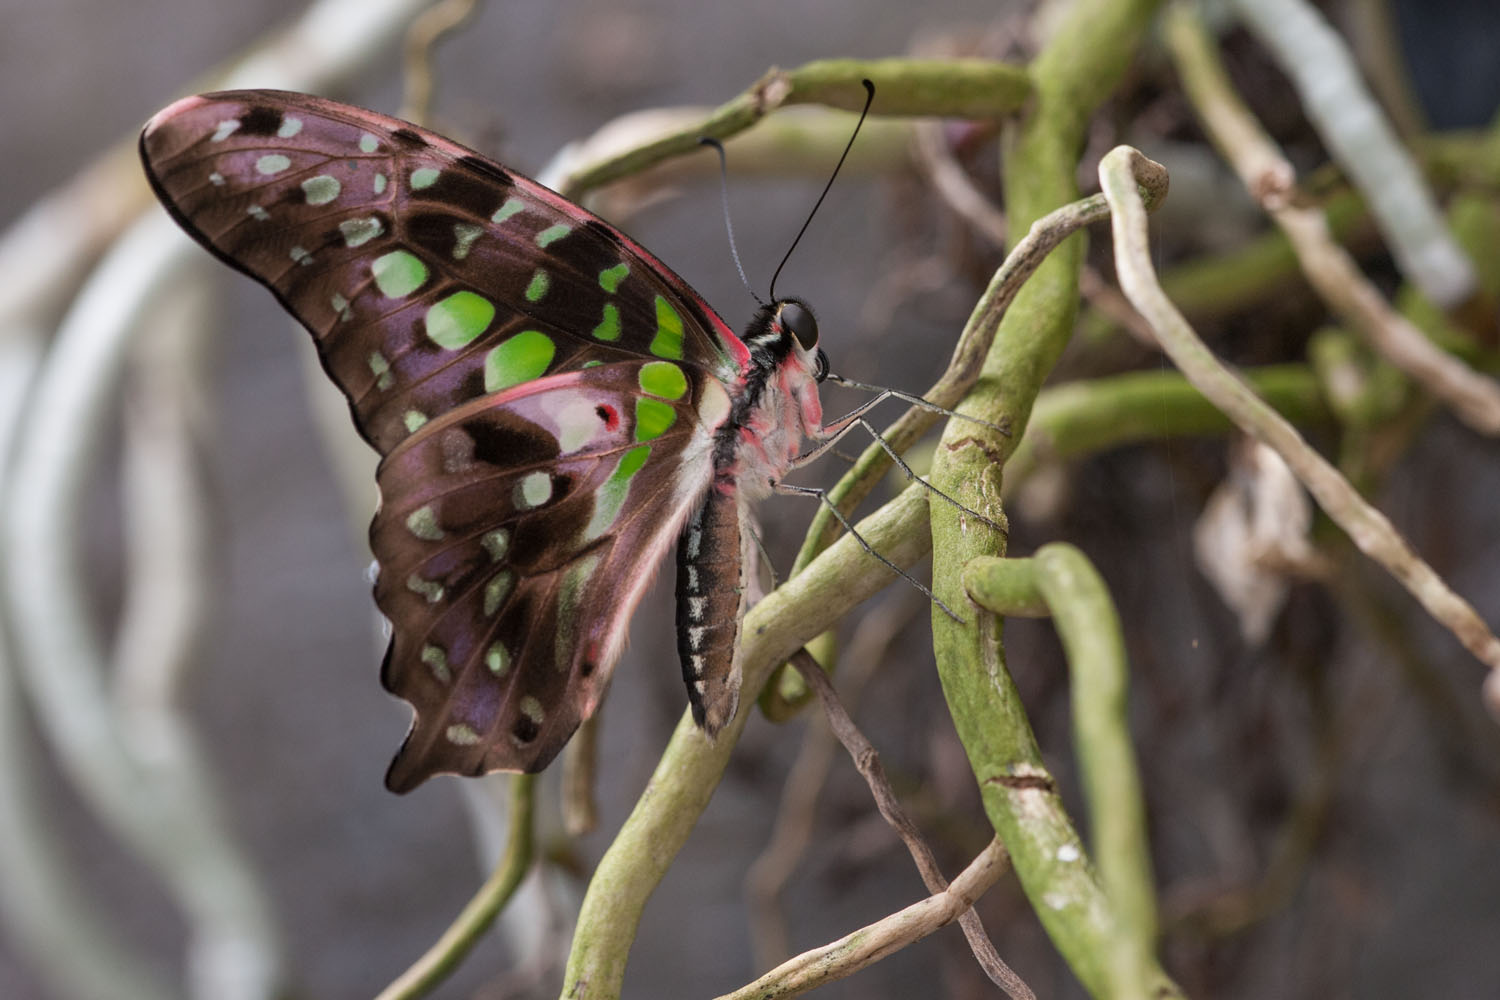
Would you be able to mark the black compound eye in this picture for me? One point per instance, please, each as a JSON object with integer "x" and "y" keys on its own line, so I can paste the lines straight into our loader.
{"x": 820, "y": 365}
{"x": 799, "y": 319}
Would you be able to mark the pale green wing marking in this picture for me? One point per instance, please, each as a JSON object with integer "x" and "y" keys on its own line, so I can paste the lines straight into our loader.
{"x": 668, "y": 340}
{"x": 456, "y": 320}
{"x": 518, "y": 359}
{"x": 398, "y": 273}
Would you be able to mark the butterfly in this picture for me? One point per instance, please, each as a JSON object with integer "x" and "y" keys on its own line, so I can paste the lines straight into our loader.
{"x": 554, "y": 408}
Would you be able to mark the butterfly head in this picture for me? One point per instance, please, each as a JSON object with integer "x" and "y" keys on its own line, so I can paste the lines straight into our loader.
{"x": 789, "y": 327}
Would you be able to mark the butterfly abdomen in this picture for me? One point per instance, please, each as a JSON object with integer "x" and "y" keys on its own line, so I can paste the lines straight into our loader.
{"x": 710, "y": 603}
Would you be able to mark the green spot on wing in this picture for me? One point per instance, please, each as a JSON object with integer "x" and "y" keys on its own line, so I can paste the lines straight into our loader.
{"x": 668, "y": 340}
{"x": 534, "y": 489}
{"x": 497, "y": 658}
{"x": 423, "y": 177}
{"x": 430, "y": 589}
{"x": 456, "y": 320}
{"x": 272, "y": 163}
{"x": 664, "y": 379}
{"x": 609, "y": 327}
{"x": 358, "y": 232}
{"x": 461, "y": 735}
{"x": 322, "y": 189}
{"x": 381, "y": 369}
{"x": 437, "y": 662}
{"x": 496, "y": 591}
{"x": 496, "y": 543}
{"x": 532, "y": 709}
{"x": 538, "y": 286}
{"x": 511, "y": 207}
{"x": 652, "y": 418}
{"x": 289, "y": 127}
{"x": 380, "y": 183}
{"x": 464, "y": 235}
{"x": 398, "y": 273}
{"x": 422, "y": 522}
{"x": 552, "y": 234}
{"x": 413, "y": 419}
{"x": 518, "y": 359}
{"x": 610, "y": 278}
{"x": 612, "y": 493}
{"x": 368, "y": 143}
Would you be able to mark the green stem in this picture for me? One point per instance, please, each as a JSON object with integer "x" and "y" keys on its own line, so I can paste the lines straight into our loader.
{"x": 479, "y": 913}
{"x": 692, "y": 764}
{"x": 1061, "y": 581}
{"x": 1083, "y": 418}
{"x": 1072, "y": 76}
{"x": 963, "y": 88}
{"x": 787, "y": 692}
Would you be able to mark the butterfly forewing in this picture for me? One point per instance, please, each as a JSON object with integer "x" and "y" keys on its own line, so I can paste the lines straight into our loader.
{"x": 546, "y": 394}
{"x": 472, "y": 278}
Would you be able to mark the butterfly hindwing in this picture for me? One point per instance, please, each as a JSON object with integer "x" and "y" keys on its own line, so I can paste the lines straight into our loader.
{"x": 500, "y": 524}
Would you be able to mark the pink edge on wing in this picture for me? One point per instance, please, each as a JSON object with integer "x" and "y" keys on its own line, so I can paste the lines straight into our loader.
{"x": 178, "y": 107}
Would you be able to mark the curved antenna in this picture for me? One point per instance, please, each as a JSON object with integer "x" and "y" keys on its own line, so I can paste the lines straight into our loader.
{"x": 869, "y": 98}
{"x": 734, "y": 251}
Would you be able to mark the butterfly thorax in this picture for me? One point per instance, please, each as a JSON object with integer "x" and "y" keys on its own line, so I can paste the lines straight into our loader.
{"x": 777, "y": 408}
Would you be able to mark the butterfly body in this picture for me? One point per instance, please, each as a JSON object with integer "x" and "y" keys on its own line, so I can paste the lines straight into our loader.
{"x": 554, "y": 407}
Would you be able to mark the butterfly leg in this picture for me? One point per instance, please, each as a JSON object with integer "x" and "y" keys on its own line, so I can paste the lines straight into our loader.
{"x": 822, "y": 495}
{"x": 856, "y": 419}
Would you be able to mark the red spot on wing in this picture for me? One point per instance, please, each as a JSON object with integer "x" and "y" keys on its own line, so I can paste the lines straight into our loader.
{"x": 609, "y": 415}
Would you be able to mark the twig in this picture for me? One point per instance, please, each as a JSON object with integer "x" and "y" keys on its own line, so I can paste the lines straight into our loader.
{"x": 161, "y": 814}
{"x": 1059, "y": 580}
{"x": 1093, "y": 415}
{"x": 479, "y": 913}
{"x": 962, "y": 372}
{"x": 416, "y": 48}
{"x": 580, "y": 772}
{"x": 1361, "y": 140}
{"x": 869, "y": 944}
{"x": 867, "y": 761}
{"x": 795, "y": 814}
{"x": 1475, "y": 398}
{"x": 1089, "y": 51}
{"x": 970, "y": 88}
{"x": 1365, "y": 525}
{"x": 692, "y": 764}
{"x": 953, "y": 185}
{"x": 233, "y": 948}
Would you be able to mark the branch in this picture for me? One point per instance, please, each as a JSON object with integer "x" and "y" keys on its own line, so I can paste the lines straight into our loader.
{"x": 1475, "y": 399}
{"x": 1354, "y": 128}
{"x": 780, "y": 698}
{"x": 870, "y": 944}
{"x": 692, "y": 764}
{"x": 968, "y": 88}
{"x": 867, "y": 762}
{"x": 479, "y": 913}
{"x": 1059, "y": 580}
{"x": 1365, "y": 525}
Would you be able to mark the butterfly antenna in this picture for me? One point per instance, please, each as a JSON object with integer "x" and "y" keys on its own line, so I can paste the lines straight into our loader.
{"x": 734, "y": 251}
{"x": 869, "y": 98}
